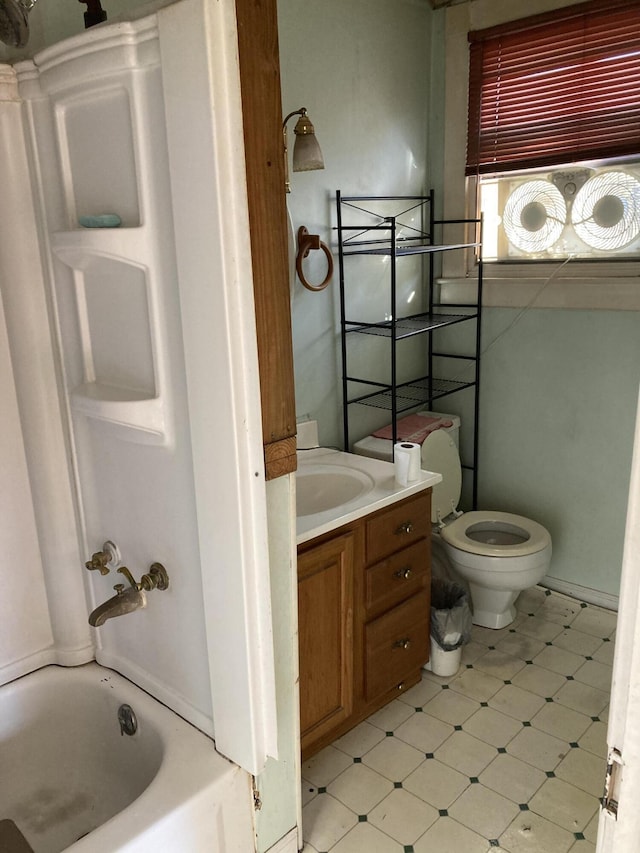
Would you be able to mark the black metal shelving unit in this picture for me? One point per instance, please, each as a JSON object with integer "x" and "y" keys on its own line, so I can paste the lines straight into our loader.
{"x": 397, "y": 227}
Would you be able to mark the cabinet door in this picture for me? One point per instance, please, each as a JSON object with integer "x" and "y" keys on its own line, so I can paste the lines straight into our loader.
{"x": 325, "y": 617}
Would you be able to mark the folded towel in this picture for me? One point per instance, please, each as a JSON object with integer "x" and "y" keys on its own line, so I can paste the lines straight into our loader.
{"x": 414, "y": 428}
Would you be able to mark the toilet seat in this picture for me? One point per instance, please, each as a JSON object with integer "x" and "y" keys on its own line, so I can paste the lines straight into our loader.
{"x": 485, "y": 533}
{"x": 523, "y": 535}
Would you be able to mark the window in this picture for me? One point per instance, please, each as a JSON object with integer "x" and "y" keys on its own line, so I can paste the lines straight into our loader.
{"x": 554, "y": 133}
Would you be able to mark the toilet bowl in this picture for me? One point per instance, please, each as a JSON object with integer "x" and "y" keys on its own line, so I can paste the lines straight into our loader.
{"x": 499, "y": 554}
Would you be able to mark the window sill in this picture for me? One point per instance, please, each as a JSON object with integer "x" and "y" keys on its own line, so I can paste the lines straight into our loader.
{"x": 576, "y": 286}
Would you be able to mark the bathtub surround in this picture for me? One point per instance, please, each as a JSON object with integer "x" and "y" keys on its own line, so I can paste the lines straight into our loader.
{"x": 39, "y": 537}
{"x": 106, "y": 127}
{"x": 24, "y": 631}
{"x": 178, "y": 655}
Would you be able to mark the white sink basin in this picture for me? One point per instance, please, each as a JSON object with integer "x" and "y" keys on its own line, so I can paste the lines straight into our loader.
{"x": 323, "y": 487}
{"x": 334, "y": 488}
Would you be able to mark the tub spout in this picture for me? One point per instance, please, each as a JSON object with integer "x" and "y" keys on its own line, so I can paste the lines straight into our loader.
{"x": 124, "y": 601}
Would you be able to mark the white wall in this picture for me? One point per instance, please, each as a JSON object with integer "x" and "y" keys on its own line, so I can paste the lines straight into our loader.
{"x": 362, "y": 69}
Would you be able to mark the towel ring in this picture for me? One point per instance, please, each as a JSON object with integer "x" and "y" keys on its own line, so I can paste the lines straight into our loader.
{"x": 306, "y": 242}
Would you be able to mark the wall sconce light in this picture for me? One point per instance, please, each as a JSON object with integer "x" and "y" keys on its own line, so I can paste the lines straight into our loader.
{"x": 306, "y": 151}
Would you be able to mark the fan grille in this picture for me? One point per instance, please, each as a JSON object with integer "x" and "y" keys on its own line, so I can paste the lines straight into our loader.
{"x": 534, "y": 216}
{"x": 606, "y": 211}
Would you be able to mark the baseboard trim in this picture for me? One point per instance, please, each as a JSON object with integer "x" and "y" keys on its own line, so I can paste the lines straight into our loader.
{"x": 582, "y": 593}
{"x": 287, "y": 844}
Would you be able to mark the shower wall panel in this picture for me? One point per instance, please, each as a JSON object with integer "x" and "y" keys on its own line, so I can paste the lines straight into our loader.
{"x": 153, "y": 313}
{"x": 117, "y": 308}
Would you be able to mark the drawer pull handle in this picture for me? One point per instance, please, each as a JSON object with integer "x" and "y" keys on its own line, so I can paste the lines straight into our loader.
{"x": 403, "y": 574}
{"x": 407, "y": 527}
{"x": 402, "y": 644}
{"x": 400, "y": 686}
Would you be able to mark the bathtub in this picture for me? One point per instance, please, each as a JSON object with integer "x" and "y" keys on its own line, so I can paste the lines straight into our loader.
{"x": 70, "y": 780}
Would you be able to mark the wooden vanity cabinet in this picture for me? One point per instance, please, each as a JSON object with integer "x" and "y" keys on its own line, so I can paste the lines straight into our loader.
{"x": 358, "y": 653}
{"x": 325, "y": 636}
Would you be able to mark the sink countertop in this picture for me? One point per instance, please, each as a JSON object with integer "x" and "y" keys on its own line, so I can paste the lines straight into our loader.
{"x": 385, "y": 491}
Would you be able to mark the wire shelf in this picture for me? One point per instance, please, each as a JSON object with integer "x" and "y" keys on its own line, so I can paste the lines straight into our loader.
{"x": 407, "y": 327}
{"x": 400, "y": 251}
{"x": 410, "y": 395}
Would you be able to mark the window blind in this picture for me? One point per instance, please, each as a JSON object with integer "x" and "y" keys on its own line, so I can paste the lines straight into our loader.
{"x": 555, "y": 88}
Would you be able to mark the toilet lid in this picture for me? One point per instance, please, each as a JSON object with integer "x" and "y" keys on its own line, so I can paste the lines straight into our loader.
{"x": 440, "y": 455}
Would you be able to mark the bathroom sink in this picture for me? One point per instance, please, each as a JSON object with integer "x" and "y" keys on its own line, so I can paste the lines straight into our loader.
{"x": 334, "y": 488}
{"x": 323, "y": 487}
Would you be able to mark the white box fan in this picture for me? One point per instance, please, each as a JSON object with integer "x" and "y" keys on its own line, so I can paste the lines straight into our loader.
{"x": 587, "y": 213}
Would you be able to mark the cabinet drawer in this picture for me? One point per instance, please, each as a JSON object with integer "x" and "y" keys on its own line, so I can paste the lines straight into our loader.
{"x": 399, "y": 526}
{"x": 396, "y": 644}
{"x": 398, "y": 577}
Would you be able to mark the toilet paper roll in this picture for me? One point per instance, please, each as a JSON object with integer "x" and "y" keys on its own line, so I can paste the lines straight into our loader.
{"x": 406, "y": 461}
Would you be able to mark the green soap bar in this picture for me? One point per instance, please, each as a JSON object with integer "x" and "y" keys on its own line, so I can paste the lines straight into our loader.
{"x": 105, "y": 220}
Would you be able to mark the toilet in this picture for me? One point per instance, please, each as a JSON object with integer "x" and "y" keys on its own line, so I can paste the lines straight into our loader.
{"x": 499, "y": 554}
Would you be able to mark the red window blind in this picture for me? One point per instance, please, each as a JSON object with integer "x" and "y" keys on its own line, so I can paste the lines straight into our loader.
{"x": 555, "y": 88}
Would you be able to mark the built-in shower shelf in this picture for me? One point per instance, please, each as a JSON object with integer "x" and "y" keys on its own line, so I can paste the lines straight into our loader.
{"x": 78, "y": 248}
{"x": 133, "y": 415}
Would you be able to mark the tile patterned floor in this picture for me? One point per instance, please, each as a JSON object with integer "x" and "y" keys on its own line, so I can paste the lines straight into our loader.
{"x": 508, "y": 755}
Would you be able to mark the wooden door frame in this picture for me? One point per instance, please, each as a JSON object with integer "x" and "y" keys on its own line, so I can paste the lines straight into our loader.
{"x": 264, "y": 152}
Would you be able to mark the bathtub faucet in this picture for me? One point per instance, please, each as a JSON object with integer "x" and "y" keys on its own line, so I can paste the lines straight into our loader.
{"x": 126, "y": 600}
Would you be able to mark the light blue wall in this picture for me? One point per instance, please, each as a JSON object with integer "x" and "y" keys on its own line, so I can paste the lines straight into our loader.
{"x": 558, "y": 399}
{"x": 559, "y": 389}
{"x": 362, "y": 69}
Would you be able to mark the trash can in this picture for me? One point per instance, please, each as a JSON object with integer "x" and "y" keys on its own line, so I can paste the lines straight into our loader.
{"x": 450, "y": 626}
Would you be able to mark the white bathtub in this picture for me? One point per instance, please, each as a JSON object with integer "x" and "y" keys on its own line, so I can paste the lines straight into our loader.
{"x": 69, "y": 780}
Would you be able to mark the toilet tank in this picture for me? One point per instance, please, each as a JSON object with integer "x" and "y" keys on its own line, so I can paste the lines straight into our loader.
{"x": 381, "y": 448}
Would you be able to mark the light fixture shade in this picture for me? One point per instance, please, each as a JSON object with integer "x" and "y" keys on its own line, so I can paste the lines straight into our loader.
{"x": 307, "y": 155}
